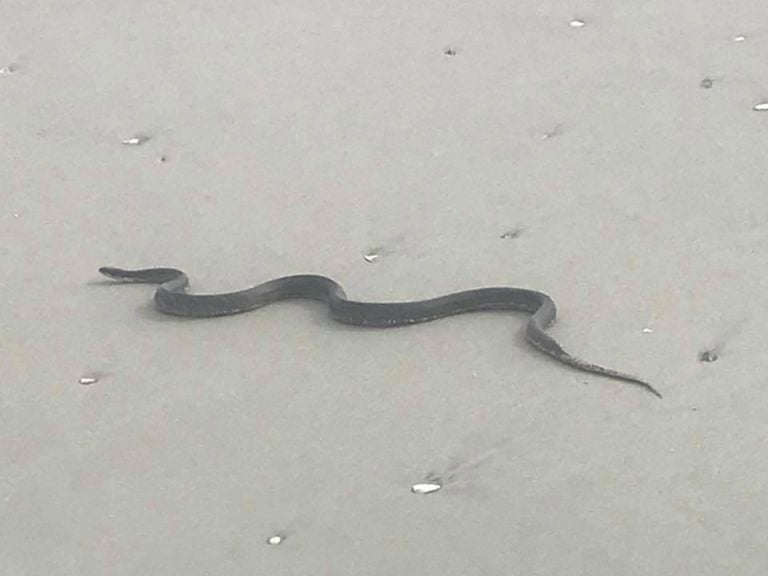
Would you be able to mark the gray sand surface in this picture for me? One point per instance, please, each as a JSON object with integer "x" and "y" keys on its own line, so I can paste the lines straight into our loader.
{"x": 618, "y": 166}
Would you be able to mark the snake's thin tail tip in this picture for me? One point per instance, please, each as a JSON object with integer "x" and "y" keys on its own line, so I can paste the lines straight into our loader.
{"x": 653, "y": 390}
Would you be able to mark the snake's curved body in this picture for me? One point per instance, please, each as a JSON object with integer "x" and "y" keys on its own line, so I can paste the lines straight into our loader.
{"x": 171, "y": 298}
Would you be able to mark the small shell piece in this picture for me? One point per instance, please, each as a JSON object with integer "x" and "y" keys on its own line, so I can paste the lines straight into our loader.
{"x": 136, "y": 140}
{"x": 426, "y": 487}
{"x": 275, "y": 540}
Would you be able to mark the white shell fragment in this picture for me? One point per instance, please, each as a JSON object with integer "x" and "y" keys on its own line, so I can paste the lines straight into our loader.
{"x": 88, "y": 380}
{"x": 576, "y": 23}
{"x": 426, "y": 487}
{"x": 137, "y": 140}
{"x": 371, "y": 257}
{"x": 739, "y": 38}
{"x": 762, "y": 107}
{"x": 275, "y": 540}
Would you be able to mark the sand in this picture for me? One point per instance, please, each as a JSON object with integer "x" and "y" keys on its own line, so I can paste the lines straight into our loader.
{"x": 406, "y": 150}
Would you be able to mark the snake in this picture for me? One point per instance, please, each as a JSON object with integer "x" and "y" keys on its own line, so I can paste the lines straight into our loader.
{"x": 171, "y": 297}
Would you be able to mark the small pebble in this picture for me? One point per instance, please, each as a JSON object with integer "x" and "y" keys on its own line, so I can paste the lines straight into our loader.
{"x": 5, "y": 70}
{"x": 448, "y": 51}
{"x": 577, "y": 23}
{"x": 88, "y": 380}
{"x": 275, "y": 540}
{"x": 708, "y": 356}
{"x": 739, "y": 38}
{"x": 706, "y": 83}
{"x": 509, "y": 234}
{"x": 426, "y": 487}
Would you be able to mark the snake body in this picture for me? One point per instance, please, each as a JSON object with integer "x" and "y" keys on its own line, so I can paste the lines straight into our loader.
{"x": 172, "y": 298}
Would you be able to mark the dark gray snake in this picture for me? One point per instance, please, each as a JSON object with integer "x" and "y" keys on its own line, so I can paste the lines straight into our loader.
{"x": 171, "y": 298}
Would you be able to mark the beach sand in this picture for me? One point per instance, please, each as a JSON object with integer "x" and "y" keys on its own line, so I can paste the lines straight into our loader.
{"x": 608, "y": 155}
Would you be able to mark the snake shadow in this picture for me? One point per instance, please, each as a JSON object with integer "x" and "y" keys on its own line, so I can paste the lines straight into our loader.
{"x": 147, "y": 310}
